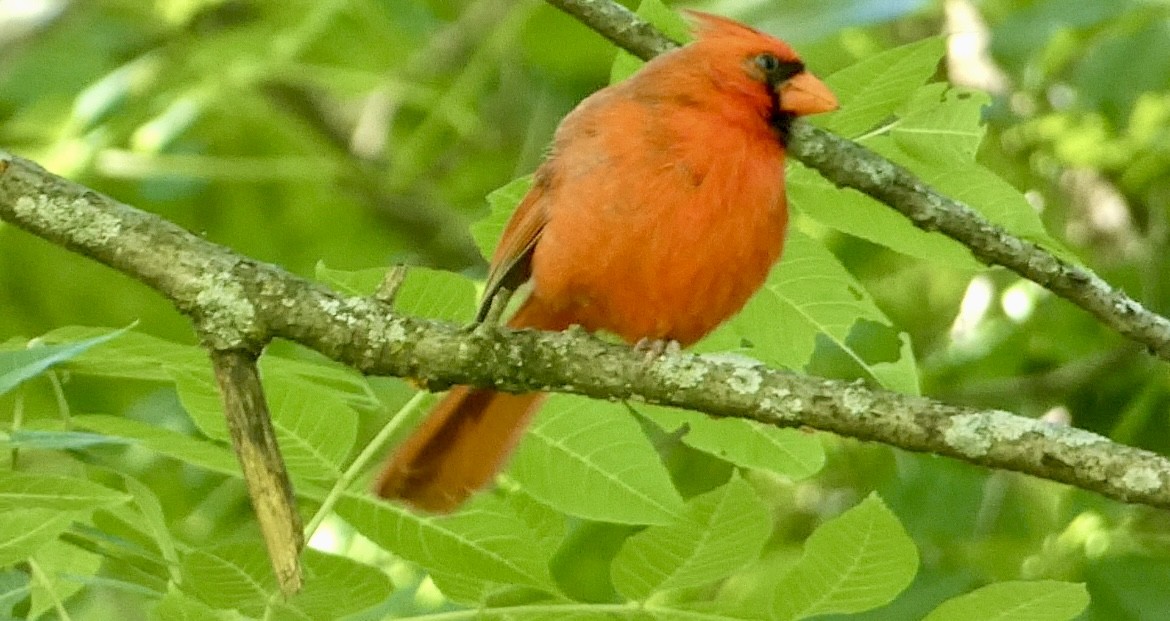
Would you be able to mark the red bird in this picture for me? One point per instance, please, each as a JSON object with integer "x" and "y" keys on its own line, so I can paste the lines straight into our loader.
{"x": 658, "y": 213}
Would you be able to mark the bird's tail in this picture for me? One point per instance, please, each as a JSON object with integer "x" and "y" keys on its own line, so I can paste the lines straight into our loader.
{"x": 458, "y": 449}
{"x": 464, "y": 441}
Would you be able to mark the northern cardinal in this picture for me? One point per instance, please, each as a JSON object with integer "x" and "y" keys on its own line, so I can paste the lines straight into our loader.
{"x": 658, "y": 213}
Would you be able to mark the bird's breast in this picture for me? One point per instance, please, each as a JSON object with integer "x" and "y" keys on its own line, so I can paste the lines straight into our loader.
{"x": 660, "y": 242}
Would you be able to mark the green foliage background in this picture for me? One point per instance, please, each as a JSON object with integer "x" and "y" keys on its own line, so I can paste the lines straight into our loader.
{"x": 335, "y": 137}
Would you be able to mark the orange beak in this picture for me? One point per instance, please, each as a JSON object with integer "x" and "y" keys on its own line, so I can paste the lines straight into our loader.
{"x": 804, "y": 94}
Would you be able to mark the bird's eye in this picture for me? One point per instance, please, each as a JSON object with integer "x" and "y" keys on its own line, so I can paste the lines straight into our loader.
{"x": 776, "y": 70}
{"x": 767, "y": 62}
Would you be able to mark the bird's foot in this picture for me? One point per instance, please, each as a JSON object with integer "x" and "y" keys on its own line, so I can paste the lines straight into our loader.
{"x": 653, "y": 349}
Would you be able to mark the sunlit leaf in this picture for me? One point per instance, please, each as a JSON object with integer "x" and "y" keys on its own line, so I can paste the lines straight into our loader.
{"x": 336, "y": 586}
{"x": 24, "y": 490}
{"x": 235, "y": 575}
{"x": 750, "y": 444}
{"x": 860, "y": 560}
{"x": 871, "y": 90}
{"x": 424, "y": 292}
{"x": 436, "y": 294}
{"x": 485, "y": 541}
{"x": 590, "y": 459}
{"x": 809, "y": 293}
{"x": 859, "y": 215}
{"x": 316, "y": 430}
{"x": 941, "y": 123}
{"x": 356, "y": 282}
{"x": 716, "y": 534}
{"x": 1041, "y": 600}
{"x": 175, "y": 606}
{"x": 24, "y": 531}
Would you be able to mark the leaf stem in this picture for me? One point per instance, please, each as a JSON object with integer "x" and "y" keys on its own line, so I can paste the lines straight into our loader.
{"x": 373, "y": 449}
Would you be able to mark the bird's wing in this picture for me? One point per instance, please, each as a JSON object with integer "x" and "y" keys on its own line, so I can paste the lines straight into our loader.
{"x": 512, "y": 260}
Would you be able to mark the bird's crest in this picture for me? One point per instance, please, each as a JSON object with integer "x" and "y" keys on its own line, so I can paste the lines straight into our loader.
{"x": 710, "y": 28}
{"x": 711, "y": 25}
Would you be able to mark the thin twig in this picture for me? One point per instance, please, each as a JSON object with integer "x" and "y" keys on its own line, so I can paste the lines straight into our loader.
{"x": 254, "y": 441}
{"x": 375, "y": 449}
{"x": 391, "y": 283}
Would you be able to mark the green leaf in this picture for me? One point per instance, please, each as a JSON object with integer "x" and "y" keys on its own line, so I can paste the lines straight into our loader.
{"x": 425, "y": 292}
{"x": 590, "y": 459}
{"x": 746, "y": 443}
{"x": 938, "y": 124}
{"x": 670, "y": 23}
{"x": 942, "y": 123}
{"x": 858, "y": 561}
{"x": 316, "y": 430}
{"x": 69, "y": 569}
{"x": 200, "y": 398}
{"x": 895, "y": 373}
{"x": 809, "y": 293}
{"x": 133, "y": 356}
{"x": 457, "y": 588}
{"x": 14, "y": 588}
{"x": 198, "y": 452}
{"x": 235, "y": 575}
{"x": 24, "y": 531}
{"x": 717, "y": 533}
{"x": 55, "y": 440}
{"x": 861, "y": 216}
{"x": 501, "y": 203}
{"x": 871, "y": 90}
{"x": 336, "y": 586}
{"x": 981, "y": 189}
{"x": 436, "y": 294}
{"x": 993, "y": 197}
{"x": 935, "y": 135}
{"x": 358, "y": 282}
{"x": 238, "y": 575}
{"x": 175, "y": 606}
{"x": 341, "y": 381}
{"x": 546, "y": 532}
{"x": 20, "y": 490}
{"x": 546, "y": 527}
{"x": 153, "y": 520}
{"x": 107, "y": 95}
{"x": 1042, "y": 600}
{"x": 485, "y": 541}
{"x": 20, "y": 365}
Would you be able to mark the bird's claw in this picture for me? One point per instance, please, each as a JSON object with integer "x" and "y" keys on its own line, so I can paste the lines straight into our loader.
{"x": 653, "y": 349}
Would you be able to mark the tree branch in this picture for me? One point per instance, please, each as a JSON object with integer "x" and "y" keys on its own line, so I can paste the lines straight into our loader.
{"x": 850, "y": 165}
{"x": 255, "y": 445}
{"x": 240, "y": 304}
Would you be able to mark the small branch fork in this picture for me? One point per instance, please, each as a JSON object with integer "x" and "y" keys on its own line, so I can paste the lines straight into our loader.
{"x": 238, "y": 305}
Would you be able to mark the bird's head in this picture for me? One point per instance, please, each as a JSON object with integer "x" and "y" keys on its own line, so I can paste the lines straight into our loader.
{"x": 759, "y": 67}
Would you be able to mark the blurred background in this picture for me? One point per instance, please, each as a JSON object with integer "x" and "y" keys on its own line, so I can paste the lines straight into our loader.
{"x": 357, "y": 133}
